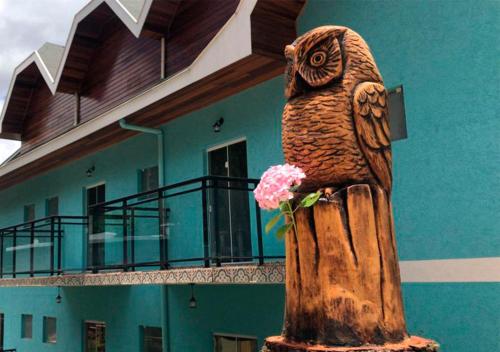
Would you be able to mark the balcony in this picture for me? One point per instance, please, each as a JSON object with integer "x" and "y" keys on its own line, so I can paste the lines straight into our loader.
{"x": 192, "y": 230}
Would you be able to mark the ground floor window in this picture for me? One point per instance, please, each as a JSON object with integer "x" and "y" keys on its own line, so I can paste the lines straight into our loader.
{"x": 49, "y": 330}
{"x": 26, "y": 326}
{"x": 1, "y": 330}
{"x": 151, "y": 339}
{"x": 95, "y": 336}
{"x": 234, "y": 343}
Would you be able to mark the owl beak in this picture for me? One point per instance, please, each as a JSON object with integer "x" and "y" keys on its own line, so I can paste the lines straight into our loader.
{"x": 295, "y": 85}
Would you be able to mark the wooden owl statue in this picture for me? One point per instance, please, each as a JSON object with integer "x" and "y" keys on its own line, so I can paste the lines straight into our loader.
{"x": 335, "y": 123}
{"x": 343, "y": 287}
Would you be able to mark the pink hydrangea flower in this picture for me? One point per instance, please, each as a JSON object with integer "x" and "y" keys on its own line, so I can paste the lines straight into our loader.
{"x": 275, "y": 184}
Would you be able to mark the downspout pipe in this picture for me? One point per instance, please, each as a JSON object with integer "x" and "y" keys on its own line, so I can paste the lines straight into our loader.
{"x": 161, "y": 144}
{"x": 165, "y": 323}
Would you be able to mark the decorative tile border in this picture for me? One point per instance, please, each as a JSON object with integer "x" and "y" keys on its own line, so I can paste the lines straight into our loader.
{"x": 270, "y": 273}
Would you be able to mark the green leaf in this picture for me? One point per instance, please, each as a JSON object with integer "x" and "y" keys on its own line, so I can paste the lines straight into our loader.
{"x": 285, "y": 207}
{"x": 271, "y": 223}
{"x": 310, "y": 199}
{"x": 283, "y": 230}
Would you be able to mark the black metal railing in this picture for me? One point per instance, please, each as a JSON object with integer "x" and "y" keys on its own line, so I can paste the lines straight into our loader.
{"x": 181, "y": 215}
{"x": 35, "y": 247}
{"x": 8, "y": 350}
{"x": 205, "y": 221}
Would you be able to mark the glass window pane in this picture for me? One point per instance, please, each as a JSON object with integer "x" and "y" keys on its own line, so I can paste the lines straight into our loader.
{"x": 95, "y": 339}
{"x": 247, "y": 345}
{"x": 49, "y": 330}
{"x": 226, "y": 344}
{"x": 53, "y": 206}
{"x": 29, "y": 212}
{"x": 152, "y": 339}
{"x": 27, "y": 326}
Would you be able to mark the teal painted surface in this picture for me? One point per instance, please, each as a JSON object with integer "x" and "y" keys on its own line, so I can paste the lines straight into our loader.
{"x": 446, "y": 173}
{"x": 445, "y": 53}
{"x": 123, "y": 309}
{"x": 462, "y": 317}
{"x": 250, "y": 310}
{"x": 116, "y": 166}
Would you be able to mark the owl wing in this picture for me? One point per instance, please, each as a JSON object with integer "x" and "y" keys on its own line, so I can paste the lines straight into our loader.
{"x": 371, "y": 120}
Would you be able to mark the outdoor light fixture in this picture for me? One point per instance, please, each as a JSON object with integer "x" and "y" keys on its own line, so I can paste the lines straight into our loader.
{"x": 192, "y": 302}
{"x": 217, "y": 125}
{"x": 58, "y": 298}
{"x": 90, "y": 171}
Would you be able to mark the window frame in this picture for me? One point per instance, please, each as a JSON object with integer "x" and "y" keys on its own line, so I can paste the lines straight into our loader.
{"x": 142, "y": 341}
{"x": 26, "y": 210}
{"x": 46, "y": 335}
{"x": 47, "y": 206}
{"x": 234, "y": 336}
{"x": 23, "y": 326}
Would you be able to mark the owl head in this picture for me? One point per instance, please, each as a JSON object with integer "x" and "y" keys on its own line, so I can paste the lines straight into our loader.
{"x": 321, "y": 57}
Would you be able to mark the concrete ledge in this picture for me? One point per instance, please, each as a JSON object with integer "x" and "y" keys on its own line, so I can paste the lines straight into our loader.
{"x": 271, "y": 273}
{"x": 465, "y": 270}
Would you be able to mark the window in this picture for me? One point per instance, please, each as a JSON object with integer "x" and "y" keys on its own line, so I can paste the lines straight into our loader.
{"x": 148, "y": 179}
{"x": 29, "y": 212}
{"x": 49, "y": 330}
{"x": 1, "y": 330}
{"x": 232, "y": 343}
{"x": 52, "y": 206}
{"x": 151, "y": 339}
{"x": 26, "y": 326}
{"x": 95, "y": 336}
{"x": 397, "y": 115}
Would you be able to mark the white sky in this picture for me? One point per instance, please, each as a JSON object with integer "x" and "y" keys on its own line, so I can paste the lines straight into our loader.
{"x": 25, "y": 25}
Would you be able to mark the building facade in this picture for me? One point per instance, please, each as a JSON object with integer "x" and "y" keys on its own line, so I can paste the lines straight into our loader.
{"x": 115, "y": 239}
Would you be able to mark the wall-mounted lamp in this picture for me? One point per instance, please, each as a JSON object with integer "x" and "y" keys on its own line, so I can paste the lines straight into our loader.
{"x": 218, "y": 124}
{"x": 192, "y": 302}
{"x": 58, "y": 298}
{"x": 90, "y": 171}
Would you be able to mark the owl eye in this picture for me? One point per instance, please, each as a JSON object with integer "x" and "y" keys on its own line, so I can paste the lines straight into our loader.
{"x": 317, "y": 59}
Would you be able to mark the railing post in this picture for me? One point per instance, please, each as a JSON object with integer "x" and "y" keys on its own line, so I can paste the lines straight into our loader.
{"x": 59, "y": 245}
{"x": 132, "y": 238}
{"x": 216, "y": 234}
{"x": 163, "y": 234}
{"x": 32, "y": 248}
{"x": 14, "y": 251}
{"x": 125, "y": 236}
{"x": 52, "y": 246}
{"x": 205, "y": 223}
{"x": 259, "y": 233}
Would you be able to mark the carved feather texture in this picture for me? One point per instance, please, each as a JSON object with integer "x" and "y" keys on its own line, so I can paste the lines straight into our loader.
{"x": 372, "y": 127}
{"x": 335, "y": 125}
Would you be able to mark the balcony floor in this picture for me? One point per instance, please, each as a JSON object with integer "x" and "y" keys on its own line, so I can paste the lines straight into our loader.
{"x": 270, "y": 273}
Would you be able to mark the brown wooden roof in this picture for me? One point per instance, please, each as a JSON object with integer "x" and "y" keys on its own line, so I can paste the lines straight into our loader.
{"x": 98, "y": 64}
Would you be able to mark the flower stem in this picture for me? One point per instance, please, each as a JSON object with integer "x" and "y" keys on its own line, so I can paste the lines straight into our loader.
{"x": 292, "y": 216}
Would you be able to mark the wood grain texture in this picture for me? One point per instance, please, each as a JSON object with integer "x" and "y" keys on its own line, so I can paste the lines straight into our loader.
{"x": 411, "y": 344}
{"x": 123, "y": 67}
{"x": 343, "y": 283}
{"x": 335, "y": 123}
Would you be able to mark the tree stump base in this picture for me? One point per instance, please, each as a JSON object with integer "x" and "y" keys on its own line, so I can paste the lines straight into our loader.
{"x": 411, "y": 344}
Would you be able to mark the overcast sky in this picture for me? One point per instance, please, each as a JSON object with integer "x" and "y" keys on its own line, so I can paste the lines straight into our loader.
{"x": 25, "y": 25}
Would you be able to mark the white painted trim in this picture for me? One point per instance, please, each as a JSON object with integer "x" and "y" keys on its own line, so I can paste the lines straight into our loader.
{"x": 221, "y": 334}
{"x": 126, "y": 10}
{"x": 451, "y": 270}
{"x": 94, "y": 185}
{"x": 231, "y": 44}
{"x": 226, "y": 144}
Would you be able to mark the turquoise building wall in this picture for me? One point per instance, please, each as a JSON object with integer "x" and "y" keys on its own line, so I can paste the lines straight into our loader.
{"x": 445, "y": 53}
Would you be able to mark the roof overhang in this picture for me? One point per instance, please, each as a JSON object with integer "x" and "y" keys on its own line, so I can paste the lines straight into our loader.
{"x": 208, "y": 79}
